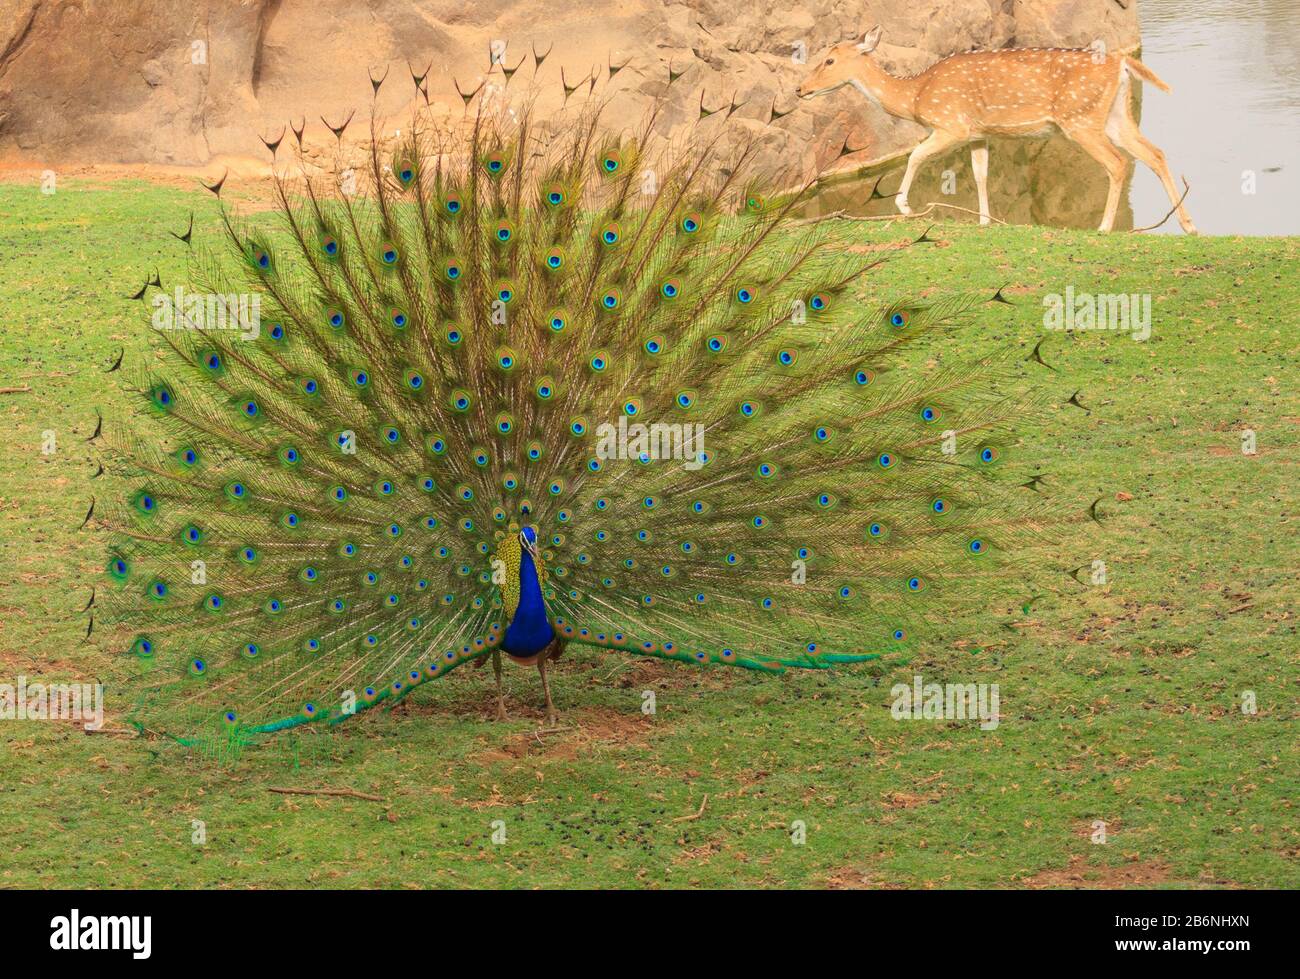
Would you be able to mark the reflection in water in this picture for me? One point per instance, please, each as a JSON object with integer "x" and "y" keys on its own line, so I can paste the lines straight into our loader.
{"x": 1235, "y": 107}
{"x": 1032, "y": 180}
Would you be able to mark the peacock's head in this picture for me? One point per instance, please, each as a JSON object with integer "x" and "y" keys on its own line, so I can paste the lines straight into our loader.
{"x": 528, "y": 541}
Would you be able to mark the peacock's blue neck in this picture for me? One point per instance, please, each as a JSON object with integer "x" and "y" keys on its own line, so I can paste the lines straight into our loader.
{"x": 530, "y": 630}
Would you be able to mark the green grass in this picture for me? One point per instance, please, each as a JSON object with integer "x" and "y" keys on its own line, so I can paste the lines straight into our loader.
{"x": 1120, "y": 702}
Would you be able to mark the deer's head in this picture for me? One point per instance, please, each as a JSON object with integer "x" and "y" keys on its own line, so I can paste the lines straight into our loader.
{"x": 839, "y": 67}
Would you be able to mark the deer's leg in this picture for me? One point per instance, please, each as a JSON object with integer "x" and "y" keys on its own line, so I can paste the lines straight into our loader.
{"x": 934, "y": 144}
{"x": 979, "y": 164}
{"x": 1101, "y": 149}
{"x": 1128, "y": 136}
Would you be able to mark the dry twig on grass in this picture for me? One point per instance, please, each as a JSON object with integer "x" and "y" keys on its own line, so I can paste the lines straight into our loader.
{"x": 696, "y": 815}
{"x": 1151, "y": 227}
{"x": 347, "y": 793}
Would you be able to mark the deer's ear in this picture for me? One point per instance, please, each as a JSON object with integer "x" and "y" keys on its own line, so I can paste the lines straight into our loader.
{"x": 870, "y": 39}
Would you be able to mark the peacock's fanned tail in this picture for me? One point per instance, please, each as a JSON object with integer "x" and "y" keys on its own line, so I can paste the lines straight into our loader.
{"x": 644, "y": 359}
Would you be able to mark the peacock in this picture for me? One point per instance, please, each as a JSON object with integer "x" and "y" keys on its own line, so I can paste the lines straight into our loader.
{"x": 537, "y": 383}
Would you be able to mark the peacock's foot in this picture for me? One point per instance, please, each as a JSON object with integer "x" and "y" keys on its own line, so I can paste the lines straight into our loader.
{"x": 552, "y": 719}
{"x": 501, "y": 712}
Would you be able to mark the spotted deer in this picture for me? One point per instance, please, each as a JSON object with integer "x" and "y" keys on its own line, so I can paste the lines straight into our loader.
{"x": 968, "y": 97}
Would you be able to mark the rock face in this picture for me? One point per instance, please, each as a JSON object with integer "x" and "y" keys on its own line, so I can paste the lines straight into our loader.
{"x": 160, "y": 82}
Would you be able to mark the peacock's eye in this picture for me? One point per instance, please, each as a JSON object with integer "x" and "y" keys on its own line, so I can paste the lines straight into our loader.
{"x": 830, "y": 61}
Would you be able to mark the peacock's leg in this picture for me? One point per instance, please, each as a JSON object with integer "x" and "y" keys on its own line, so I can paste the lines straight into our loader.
{"x": 501, "y": 701}
{"x": 551, "y": 719}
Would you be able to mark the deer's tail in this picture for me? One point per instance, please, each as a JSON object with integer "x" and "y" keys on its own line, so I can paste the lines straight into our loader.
{"x": 1145, "y": 73}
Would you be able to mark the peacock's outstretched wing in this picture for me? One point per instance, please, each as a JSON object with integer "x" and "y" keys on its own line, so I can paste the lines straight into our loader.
{"x": 313, "y": 501}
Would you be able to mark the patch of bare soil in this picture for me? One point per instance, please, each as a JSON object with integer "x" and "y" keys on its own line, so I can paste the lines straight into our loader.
{"x": 1232, "y": 451}
{"x": 579, "y": 733}
{"x": 854, "y": 879}
{"x": 1085, "y": 828}
{"x": 1081, "y": 875}
{"x": 644, "y": 673}
{"x": 245, "y": 173}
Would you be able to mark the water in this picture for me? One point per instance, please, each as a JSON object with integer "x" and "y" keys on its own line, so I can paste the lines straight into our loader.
{"x": 1235, "y": 109}
{"x": 1232, "y": 120}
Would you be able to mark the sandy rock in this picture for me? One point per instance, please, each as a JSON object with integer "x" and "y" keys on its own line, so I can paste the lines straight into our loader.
{"x": 1076, "y": 23}
{"x": 154, "y": 81}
